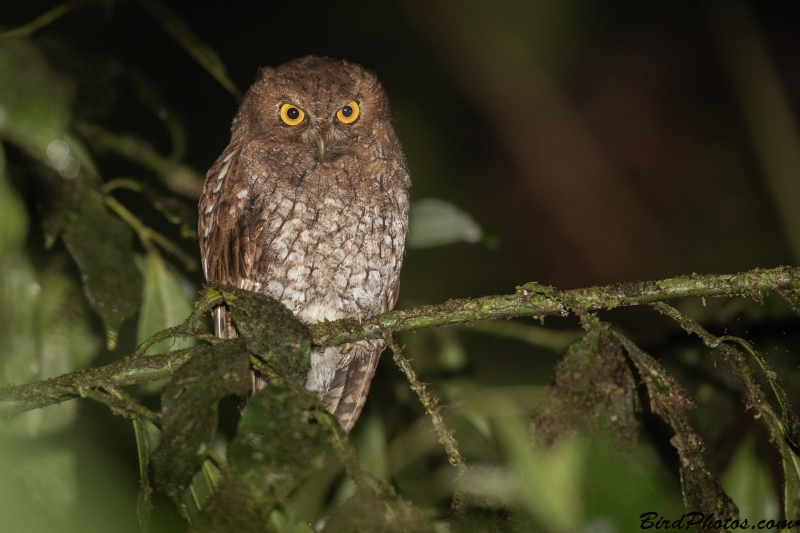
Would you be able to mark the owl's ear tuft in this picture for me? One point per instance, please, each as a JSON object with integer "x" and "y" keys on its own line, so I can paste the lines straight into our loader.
{"x": 263, "y": 73}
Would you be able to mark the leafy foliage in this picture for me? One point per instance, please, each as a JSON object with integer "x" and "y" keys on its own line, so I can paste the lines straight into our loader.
{"x": 572, "y": 456}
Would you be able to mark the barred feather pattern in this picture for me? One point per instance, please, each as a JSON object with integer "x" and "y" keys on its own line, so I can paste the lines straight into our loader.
{"x": 322, "y": 230}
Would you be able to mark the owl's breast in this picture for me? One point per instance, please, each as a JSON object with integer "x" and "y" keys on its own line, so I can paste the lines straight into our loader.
{"x": 331, "y": 250}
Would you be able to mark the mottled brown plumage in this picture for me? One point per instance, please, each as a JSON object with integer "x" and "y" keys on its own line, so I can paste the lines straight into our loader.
{"x": 313, "y": 214}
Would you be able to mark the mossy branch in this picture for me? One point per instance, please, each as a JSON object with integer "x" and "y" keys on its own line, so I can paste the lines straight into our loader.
{"x": 538, "y": 301}
{"x": 530, "y": 300}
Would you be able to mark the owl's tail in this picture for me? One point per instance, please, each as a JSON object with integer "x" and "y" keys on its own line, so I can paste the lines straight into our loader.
{"x": 348, "y": 390}
{"x": 223, "y": 324}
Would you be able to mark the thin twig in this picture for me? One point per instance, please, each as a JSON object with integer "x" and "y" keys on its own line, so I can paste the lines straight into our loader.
{"x": 432, "y": 407}
{"x": 120, "y": 403}
{"x": 755, "y": 398}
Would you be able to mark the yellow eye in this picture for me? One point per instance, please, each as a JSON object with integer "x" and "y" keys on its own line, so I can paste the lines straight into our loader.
{"x": 291, "y": 115}
{"x": 349, "y": 113}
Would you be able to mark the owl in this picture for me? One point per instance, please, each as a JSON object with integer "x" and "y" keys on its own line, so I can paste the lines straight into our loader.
{"x": 309, "y": 204}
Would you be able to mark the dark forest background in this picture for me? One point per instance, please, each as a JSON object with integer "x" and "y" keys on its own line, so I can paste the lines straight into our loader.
{"x": 593, "y": 142}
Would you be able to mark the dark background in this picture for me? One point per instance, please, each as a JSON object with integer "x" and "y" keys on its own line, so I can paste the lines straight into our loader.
{"x": 597, "y": 142}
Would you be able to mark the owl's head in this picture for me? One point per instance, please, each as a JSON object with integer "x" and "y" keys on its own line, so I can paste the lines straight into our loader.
{"x": 327, "y": 106}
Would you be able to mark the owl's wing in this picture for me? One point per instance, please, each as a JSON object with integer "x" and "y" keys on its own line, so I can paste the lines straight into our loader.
{"x": 350, "y": 385}
{"x": 228, "y": 232}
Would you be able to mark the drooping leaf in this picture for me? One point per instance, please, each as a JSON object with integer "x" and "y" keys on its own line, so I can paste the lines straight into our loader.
{"x": 702, "y": 491}
{"x": 271, "y": 331}
{"x": 102, "y": 246}
{"x": 433, "y": 222}
{"x": 279, "y": 442}
{"x": 748, "y": 482}
{"x": 164, "y": 304}
{"x": 190, "y": 412}
{"x": 592, "y": 391}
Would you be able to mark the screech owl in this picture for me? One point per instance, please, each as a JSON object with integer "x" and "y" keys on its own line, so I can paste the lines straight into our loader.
{"x": 309, "y": 204}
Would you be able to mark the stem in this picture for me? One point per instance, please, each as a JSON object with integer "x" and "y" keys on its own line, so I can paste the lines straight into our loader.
{"x": 127, "y": 371}
{"x": 431, "y": 404}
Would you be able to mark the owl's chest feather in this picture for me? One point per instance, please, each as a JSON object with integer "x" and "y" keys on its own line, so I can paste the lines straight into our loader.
{"x": 331, "y": 255}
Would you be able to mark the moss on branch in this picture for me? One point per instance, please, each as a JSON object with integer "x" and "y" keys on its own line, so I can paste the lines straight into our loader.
{"x": 529, "y": 300}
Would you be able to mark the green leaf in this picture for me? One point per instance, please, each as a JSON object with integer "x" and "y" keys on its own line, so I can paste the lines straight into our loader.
{"x": 43, "y": 334}
{"x": 748, "y": 483}
{"x": 279, "y": 442}
{"x": 102, "y": 246}
{"x": 189, "y": 409}
{"x": 164, "y": 305}
{"x": 272, "y": 332}
{"x": 433, "y": 222}
{"x": 791, "y": 480}
{"x": 48, "y": 472}
{"x": 371, "y": 447}
{"x": 592, "y": 392}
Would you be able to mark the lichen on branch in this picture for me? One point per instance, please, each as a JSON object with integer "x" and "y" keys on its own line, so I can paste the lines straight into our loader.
{"x": 530, "y": 300}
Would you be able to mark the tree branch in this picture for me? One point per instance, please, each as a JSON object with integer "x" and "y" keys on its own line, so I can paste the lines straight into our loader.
{"x": 540, "y": 301}
{"x": 529, "y": 300}
{"x": 127, "y": 371}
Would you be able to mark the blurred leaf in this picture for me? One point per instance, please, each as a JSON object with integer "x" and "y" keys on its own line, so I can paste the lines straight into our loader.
{"x": 548, "y": 482}
{"x": 371, "y": 447}
{"x": 189, "y": 41}
{"x": 434, "y": 222}
{"x": 57, "y": 201}
{"x": 43, "y": 334}
{"x": 791, "y": 479}
{"x": 51, "y": 478}
{"x": 35, "y": 109}
{"x": 189, "y": 409}
{"x": 377, "y": 511}
{"x": 282, "y": 524}
{"x": 164, "y": 305}
{"x": 102, "y": 246}
{"x": 748, "y": 483}
{"x": 616, "y": 482}
{"x": 279, "y": 442}
{"x": 15, "y": 219}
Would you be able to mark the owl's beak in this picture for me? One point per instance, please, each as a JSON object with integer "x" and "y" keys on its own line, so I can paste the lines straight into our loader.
{"x": 321, "y": 148}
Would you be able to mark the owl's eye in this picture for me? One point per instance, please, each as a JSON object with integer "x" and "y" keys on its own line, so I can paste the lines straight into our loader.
{"x": 349, "y": 113}
{"x": 291, "y": 115}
